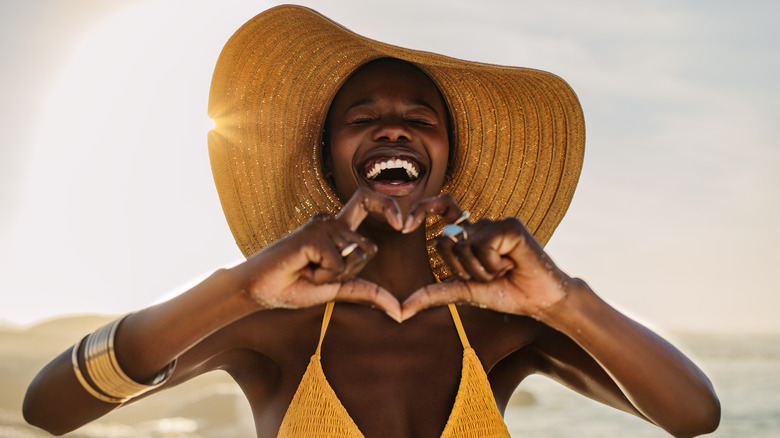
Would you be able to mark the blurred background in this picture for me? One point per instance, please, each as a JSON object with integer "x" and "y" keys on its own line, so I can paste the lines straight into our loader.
{"x": 107, "y": 202}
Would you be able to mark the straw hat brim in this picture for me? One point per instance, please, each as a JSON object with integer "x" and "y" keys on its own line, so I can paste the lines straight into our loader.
{"x": 518, "y": 133}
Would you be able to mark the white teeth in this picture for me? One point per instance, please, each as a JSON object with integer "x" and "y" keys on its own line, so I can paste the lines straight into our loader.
{"x": 397, "y": 163}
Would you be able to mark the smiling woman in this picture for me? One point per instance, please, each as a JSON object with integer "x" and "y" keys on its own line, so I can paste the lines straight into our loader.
{"x": 397, "y": 110}
{"x": 347, "y": 274}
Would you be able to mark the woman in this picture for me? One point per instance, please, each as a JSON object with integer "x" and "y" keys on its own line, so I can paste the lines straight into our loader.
{"x": 363, "y": 138}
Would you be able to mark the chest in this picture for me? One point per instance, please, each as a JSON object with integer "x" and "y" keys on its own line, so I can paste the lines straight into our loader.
{"x": 409, "y": 371}
{"x": 393, "y": 379}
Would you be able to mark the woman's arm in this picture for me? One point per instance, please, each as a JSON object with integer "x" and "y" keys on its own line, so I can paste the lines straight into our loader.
{"x": 146, "y": 342}
{"x": 501, "y": 266}
{"x": 304, "y": 269}
{"x": 661, "y": 384}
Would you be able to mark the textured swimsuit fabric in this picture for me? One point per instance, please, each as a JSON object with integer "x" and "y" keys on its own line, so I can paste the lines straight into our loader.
{"x": 316, "y": 411}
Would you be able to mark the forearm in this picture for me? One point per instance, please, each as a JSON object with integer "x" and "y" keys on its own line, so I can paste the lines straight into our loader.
{"x": 660, "y": 381}
{"x": 149, "y": 339}
{"x": 146, "y": 342}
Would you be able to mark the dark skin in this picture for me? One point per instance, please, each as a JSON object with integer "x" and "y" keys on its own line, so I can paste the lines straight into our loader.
{"x": 260, "y": 320}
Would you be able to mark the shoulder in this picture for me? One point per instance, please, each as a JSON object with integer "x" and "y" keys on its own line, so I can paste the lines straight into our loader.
{"x": 495, "y": 335}
{"x": 270, "y": 339}
{"x": 506, "y": 346}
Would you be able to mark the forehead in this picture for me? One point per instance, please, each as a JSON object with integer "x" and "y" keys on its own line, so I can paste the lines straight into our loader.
{"x": 389, "y": 78}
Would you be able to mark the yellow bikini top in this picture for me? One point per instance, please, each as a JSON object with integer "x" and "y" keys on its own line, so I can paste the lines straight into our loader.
{"x": 316, "y": 411}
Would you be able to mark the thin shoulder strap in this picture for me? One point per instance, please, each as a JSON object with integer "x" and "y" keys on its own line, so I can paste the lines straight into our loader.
{"x": 459, "y": 325}
{"x": 325, "y": 322}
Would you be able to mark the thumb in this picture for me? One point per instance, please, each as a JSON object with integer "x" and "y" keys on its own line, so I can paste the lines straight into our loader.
{"x": 365, "y": 292}
{"x": 436, "y": 294}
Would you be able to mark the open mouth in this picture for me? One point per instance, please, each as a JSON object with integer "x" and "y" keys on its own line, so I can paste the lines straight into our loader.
{"x": 392, "y": 170}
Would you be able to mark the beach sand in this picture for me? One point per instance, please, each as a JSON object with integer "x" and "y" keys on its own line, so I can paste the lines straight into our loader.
{"x": 209, "y": 406}
{"x": 744, "y": 369}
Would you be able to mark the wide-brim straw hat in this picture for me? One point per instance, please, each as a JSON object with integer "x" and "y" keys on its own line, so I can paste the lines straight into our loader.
{"x": 518, "y": 133}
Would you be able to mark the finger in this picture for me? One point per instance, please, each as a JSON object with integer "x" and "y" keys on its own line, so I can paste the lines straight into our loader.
{"x": 471, "y": 263}
{"x": 353, "y": 248}
{"x": 444, "y": 246}
{"x": 437, "y": 294}
{"x": 366, "y": 201}
{"x": 366, "y": 292}
{"x": 486, "y": 237}
{"x": 493, "y": 262}
{"x": 354, "y": 262}
{"x": 351, "y": 238}
{"x": 325, "y": 262}
{"x": 442, "y": 205}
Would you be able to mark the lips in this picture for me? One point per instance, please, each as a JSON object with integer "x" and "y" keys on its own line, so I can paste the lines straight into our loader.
{"x": 391, "y": 169}
{"x": 393, "y": 175}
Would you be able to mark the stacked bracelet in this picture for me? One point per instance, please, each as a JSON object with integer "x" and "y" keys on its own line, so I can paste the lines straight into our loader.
{"x": 109, "y": 382}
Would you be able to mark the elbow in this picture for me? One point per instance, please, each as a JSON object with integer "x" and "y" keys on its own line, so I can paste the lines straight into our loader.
{"x": 703, "y": 421}
{"x": 41, "y": 422}
{"x": 35, "y": 415}
{"x": 32, "y": 415}
{"x": 47, "y": 409}
{"x": 711, "y": 418}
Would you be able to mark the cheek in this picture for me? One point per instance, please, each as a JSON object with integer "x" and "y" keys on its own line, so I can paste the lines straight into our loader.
{"x": 440, "y": 157}
{"x": 338, "y": 150}
{"x": 341, "y": 167}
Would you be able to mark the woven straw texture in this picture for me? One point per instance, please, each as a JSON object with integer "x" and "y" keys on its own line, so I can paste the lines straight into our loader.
{"x": 518, "y": 133}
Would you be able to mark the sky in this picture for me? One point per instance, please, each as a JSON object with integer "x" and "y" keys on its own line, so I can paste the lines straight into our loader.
{"x": 107, "y": 202}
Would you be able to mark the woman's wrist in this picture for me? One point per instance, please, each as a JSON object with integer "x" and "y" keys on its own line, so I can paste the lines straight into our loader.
{"x": 575, "y": 304}
{"x": 232, "y": 286}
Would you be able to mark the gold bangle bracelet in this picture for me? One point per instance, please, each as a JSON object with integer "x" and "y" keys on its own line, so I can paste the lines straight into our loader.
{"x": 160, "y": 378}
{"x": 104, "y": 370}
{"x": 77, "y": 370}
{"x": 98, "y": 367}
{"x": 108, "y": 378}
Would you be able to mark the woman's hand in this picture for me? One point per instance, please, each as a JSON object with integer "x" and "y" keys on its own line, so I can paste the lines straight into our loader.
{"x": 594, "y": 348}
{"x": 317, "y": 263}
{"x": 499, "y": 264}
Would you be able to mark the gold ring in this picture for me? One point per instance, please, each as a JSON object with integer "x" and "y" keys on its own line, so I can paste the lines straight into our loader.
{"x": 348, "y": 249}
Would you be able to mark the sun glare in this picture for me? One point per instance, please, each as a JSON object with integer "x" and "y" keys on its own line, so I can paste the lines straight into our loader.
{"x": 128, "y": 109}
{"x": 209, "y": 124}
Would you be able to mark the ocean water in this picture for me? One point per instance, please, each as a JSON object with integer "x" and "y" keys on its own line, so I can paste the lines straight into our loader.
{"x": 745, "y": 371}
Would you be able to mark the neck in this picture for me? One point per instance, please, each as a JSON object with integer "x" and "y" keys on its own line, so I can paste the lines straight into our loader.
{"x": 401, "y": 265}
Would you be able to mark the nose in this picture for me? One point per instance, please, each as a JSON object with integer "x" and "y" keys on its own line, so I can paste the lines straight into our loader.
{"x": 392, "y": 131}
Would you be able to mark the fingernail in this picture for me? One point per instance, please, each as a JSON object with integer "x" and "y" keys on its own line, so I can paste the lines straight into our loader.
{"x": 400, "y": 221}
{"x": 395, "y": 316}
{"x": 408, "y": 225}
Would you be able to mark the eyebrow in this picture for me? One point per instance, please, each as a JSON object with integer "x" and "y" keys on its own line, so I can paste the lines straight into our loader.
{"x": 420, "y": 102}
{"x": 360, "y": 102}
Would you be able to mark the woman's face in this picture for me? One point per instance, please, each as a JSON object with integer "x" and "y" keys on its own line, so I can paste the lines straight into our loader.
{"x": 388, "y": 132}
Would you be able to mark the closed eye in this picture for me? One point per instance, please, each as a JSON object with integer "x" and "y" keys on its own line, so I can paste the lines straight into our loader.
{"x": 361, "y": 120}
{"x": 423, "y": 122}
